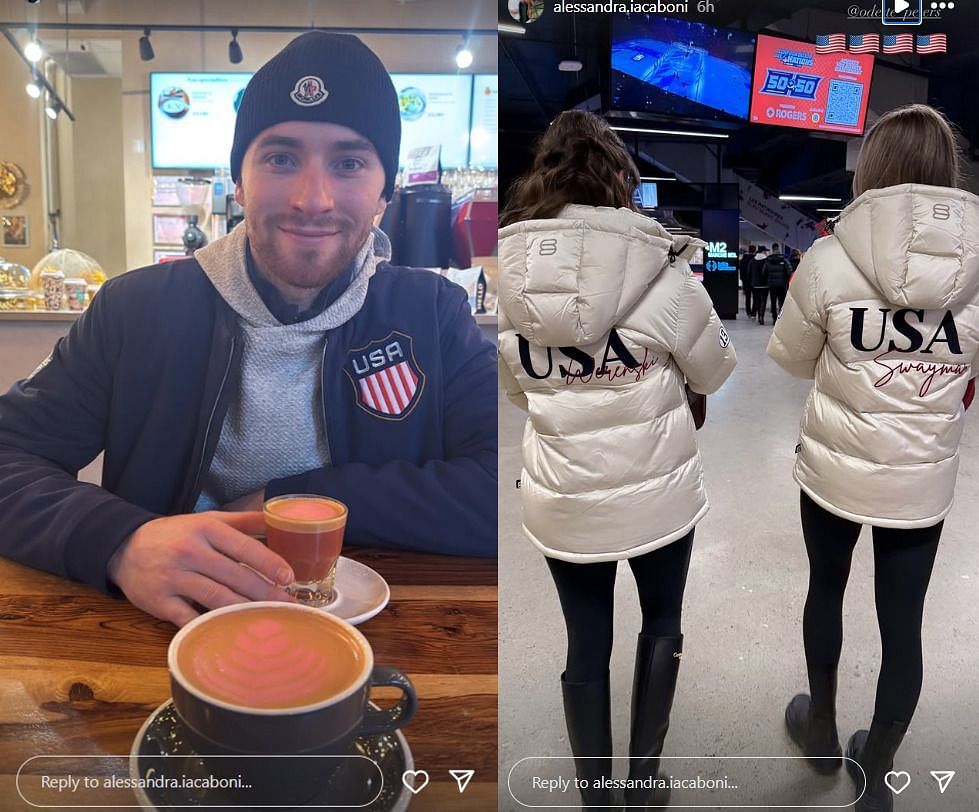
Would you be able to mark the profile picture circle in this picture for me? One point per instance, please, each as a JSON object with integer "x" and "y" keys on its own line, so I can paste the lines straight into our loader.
{"x": 174, "y": 102}
{"x": 412, "y": 103}
{"x": 525, "y": 11}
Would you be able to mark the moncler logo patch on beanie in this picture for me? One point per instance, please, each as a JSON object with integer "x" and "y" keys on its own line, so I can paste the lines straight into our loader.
{"x": 323, "y": 77}
{"x": 309, "y": 91}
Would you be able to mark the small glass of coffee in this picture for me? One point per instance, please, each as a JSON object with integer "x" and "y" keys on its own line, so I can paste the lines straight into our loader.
{"x": 307, "y": 531}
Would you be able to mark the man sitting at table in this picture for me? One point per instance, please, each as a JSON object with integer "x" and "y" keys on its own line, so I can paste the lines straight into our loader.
{"x": 286, "y": 357}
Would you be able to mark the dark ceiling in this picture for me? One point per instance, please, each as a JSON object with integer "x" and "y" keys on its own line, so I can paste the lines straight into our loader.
{"x": 780, "y": 160}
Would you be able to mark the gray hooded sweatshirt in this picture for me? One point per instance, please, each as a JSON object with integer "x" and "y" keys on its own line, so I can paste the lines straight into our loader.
{"x": 276, "y": 425}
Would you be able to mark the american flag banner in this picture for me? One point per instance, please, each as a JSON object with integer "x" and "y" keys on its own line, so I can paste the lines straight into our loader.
{"x": 864, "y": 43}
{"x": 931, "y": 44}
{"x": 897, "y": 43}
{"x": 830, "y": 43}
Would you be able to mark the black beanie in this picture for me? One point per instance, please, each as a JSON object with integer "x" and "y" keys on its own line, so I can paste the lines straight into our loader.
{"x": 320, "y": 76}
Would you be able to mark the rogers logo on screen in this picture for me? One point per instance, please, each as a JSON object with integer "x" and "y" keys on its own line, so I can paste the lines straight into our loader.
{"x": 785, "y": 115}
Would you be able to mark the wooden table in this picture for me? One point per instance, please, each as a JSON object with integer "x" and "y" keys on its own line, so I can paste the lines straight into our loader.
{"x": 80, "y": 672}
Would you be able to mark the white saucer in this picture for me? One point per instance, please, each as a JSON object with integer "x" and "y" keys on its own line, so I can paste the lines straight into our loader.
{"x": 361, "y": 592}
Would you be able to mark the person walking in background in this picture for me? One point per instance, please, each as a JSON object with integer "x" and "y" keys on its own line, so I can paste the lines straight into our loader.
{"x": 795, "y": 259}
{"x": 759, "y": 283}
{"x": 888, "y": 326}
{"x": 777, "y": 272}
{"x": 744, "y": 267}
{"x": 602, "y": 325}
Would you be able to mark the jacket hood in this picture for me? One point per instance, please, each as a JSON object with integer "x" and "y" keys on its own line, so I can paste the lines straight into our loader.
{"x": 916, "y": 244}
{"x": 223, "y": 262}
{"x": 567, "y": 281}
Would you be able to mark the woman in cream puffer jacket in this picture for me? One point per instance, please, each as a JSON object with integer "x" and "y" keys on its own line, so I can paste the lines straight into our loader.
{"x": 596, "y": 341}
{"x": 884, "y": 316}
{"x": 601, "y": 326}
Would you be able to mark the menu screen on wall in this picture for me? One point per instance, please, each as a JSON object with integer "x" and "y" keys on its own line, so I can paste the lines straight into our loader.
{"x": 483, "y": 149}
{"x": 795, "y": 86}
{"x": 192, "y": 118}
{"x": 435, "y": 111}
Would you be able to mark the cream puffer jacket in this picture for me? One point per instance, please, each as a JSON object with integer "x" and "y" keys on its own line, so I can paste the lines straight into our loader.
{"x": 601, "y": 323}
{"x": 884, "y": 314}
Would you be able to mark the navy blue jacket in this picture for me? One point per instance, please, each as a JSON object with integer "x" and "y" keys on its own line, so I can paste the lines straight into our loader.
{"x": 147, "y": 372}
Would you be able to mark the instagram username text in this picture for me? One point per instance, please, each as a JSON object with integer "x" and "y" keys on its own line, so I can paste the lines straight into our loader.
{"x": 658, "y": 7}
{"x": 669, "y": 782}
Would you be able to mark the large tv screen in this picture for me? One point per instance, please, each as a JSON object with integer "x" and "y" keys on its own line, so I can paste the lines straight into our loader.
{"x": 796, "y": 87}
{"x": 192, "y": 118}
{"x": 435, "y": 109}
{"x": 483, "y": 151}
{"x": 680, "y": 68}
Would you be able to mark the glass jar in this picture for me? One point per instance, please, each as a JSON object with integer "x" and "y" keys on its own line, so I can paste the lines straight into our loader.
{"x": 14, "y": 276}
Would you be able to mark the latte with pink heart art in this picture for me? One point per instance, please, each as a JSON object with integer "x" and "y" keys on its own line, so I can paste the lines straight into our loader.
{"x": 267, "y": 659}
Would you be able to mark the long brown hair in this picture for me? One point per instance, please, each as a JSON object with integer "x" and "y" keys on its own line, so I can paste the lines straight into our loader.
{"x": 579, "y": 159}
{"x": 912, "y": 144}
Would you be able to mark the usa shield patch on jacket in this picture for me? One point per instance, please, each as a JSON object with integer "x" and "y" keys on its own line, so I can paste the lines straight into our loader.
{"x": 386, "y": 378}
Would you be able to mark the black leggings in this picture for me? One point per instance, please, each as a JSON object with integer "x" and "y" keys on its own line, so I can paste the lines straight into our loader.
{"x": 586, "y": 592}
{"x": 903, "y": 562}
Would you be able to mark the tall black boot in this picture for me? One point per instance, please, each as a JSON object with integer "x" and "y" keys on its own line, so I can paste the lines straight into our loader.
{"x": 874, "y": 750}
{"x": 588, "y": 713}
{"x": 813, "y": 727}
{"x": 657, "y": 665}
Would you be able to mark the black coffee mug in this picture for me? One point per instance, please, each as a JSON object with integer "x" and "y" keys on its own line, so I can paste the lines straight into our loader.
{"x": 329, "y": 727}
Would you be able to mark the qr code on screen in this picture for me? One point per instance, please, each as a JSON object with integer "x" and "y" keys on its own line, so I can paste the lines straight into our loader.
{"x": 843, "y": 103}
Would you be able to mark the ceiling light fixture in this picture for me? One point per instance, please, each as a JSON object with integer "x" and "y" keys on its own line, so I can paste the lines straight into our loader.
{"x": 234, "y": 49}
{"x": 809, "y": 199}
{"x": 569, "y": 65}
{"x": 464, "y": 57}
{"x": 643, "y": 177}
{"x": 33, "y": 50}
{"x": 145, "y": 46}
{"x": 52, "y": 108}
{"x": 668, "y": 132}
{"x": 34, "y": 87}
{"x": 510, "y": 28}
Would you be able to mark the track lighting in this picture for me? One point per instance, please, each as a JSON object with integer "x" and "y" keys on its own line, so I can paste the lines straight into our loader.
{"x": 33, "y": 50}
{"x": 234, "y": 49}
{"x": 52, "y": 109}
{"x": 34, "y": 88}
{"x": 464, "y": 57}
{"x": 810, "y": 199}
{"x": 145, "y": 46}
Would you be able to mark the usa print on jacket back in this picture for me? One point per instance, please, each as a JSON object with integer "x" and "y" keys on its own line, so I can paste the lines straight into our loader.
{"x": 884, "y": 315}
{"x": 601, "y": 323}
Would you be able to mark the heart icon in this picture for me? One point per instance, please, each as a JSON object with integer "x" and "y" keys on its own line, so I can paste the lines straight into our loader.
{"x": 417, "y": 780}
{"x": 897, "y": 782}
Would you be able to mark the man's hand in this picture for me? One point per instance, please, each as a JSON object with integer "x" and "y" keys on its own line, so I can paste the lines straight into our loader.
{"x": 170, "y": 562}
